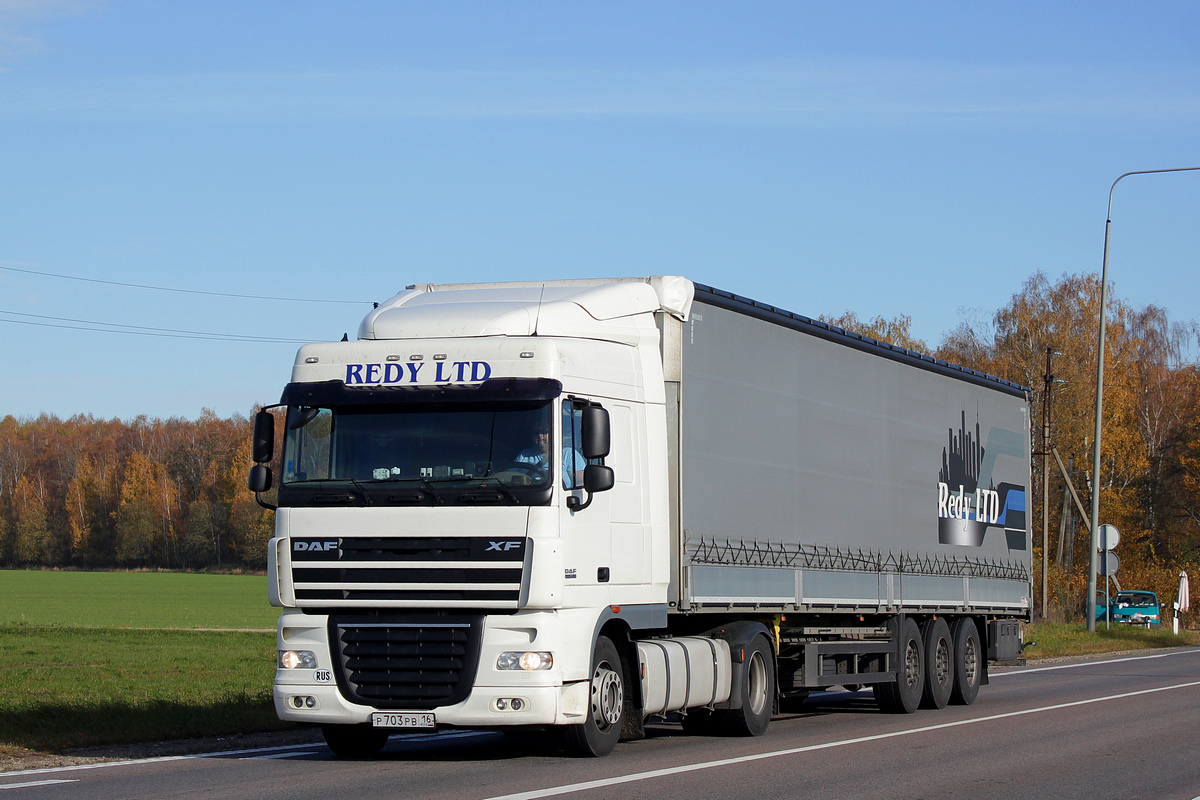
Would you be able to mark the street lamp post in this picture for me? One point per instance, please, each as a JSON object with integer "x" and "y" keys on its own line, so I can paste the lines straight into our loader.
{"x": 1093, "y": 560}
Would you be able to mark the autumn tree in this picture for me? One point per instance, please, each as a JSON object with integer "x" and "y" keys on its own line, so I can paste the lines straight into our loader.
{"x": 895, "y": 331}
{"x": 33, "y": 542}
{"x": 249, "y": 522}
{"x": 145, "y": 525}
{"x": 1145, "y": 388}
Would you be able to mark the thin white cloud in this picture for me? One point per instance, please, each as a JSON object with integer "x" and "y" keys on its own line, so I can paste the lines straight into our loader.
{"x": 790, "y": 92}
{"x": 19, "y": 20}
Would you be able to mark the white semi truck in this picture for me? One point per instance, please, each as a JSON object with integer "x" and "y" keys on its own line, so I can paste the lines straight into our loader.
{"x": 585, "y": 504}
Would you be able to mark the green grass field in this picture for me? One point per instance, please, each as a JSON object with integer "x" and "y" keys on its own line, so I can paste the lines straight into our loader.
{"x": 136, "y": 600}
{"x": 66, "y": 687}
{"x": 90, "y": 658}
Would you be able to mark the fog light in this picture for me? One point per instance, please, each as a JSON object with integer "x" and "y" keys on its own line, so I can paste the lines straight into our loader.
{"x": 297, "y": 659}
{"x": 527, "y": 661}
{"x": 303, "y": 701}
{"x": 509, "y": 704}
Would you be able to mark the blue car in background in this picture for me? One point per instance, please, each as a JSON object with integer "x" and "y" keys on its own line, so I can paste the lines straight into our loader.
{"x": 1134, "y": 607}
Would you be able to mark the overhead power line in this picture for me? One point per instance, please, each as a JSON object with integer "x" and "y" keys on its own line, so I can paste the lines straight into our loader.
{"x": 139, "y": 330}
{"x": 182, "y": 291}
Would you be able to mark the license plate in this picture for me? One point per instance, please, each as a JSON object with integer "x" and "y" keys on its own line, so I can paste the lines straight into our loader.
{"x": 409, "y": 721}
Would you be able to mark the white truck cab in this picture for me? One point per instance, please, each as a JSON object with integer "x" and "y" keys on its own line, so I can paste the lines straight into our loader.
{"x": 501, "y": 506}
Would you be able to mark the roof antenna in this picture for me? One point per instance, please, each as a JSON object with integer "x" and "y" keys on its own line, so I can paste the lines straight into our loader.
{"x": 537, "y": 318}
{"x": 345, "y": 337}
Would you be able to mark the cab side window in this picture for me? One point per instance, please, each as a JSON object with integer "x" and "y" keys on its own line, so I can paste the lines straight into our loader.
{"x": 573, "y": 462}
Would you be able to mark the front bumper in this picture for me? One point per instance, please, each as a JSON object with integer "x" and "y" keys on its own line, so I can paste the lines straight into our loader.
{"x": 540, "y": 705}
{"x": 557, "y": 696}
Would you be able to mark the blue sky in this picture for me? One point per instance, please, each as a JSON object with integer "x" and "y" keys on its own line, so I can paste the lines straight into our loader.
{"x": 883, "y": 158}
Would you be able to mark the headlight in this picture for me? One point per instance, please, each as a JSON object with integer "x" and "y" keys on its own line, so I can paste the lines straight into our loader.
{"x": 526, "y": 661}
{"x": 297, "y": 659}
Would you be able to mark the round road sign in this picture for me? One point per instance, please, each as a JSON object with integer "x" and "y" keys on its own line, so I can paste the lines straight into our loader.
{"x": 1110, "y": 537}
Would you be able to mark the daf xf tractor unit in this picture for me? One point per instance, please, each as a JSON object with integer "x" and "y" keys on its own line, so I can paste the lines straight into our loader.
{"x": 584, "y": 505}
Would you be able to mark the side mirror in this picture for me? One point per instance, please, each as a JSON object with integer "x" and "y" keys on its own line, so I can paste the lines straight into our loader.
{"x": 598, "y": 478}
{"x": 597, "y": 440}
{"x": 260, "y": 478}
{"x": 263, "y": 448}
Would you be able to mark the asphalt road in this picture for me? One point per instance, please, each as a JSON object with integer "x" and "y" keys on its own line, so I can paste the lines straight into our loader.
{"x": 1124, "y": 727}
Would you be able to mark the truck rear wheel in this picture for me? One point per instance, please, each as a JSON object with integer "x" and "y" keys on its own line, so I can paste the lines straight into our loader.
{"x": 758, "y": 693}
{"x": 903, "y": 696}
{"x": 598, "y": 734}
{"x": 939, "y": 664}
{"x": 354, "y": 741}
{"x": 968, "y": 662}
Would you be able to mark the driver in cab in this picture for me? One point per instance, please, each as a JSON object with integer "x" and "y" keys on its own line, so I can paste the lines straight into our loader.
{"x": 538, "y": 456}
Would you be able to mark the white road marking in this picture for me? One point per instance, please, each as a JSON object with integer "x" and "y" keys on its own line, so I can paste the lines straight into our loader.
{"x": 158, "y": 760}
{"x": 281, "y": 755}
{"x": 555, "y": 791}
{"x": 418, "y": 737}
{"x": 35, "y": 783}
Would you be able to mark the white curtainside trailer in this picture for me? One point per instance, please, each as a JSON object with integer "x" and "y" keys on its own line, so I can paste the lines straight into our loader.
{"x": 581, "y": 505}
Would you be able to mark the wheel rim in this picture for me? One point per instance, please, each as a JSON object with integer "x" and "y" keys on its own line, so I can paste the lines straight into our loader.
{"x": 756, "y": 689}
{"x": 912, "y": 665}
{"x": 941, "y": 662}
{"x": 970, "y": 662}
{"x": 608, "y": 696}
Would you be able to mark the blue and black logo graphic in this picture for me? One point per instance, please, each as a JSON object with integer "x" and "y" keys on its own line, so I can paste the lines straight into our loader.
{"x": 969, "y": 502}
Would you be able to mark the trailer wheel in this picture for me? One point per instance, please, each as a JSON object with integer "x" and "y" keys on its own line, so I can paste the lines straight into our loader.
{"x": 903, "y": 696}
{"x": 598, "y": 734}
{"x": 939, "y": 664}
{"x": 354, "y": 741}
{"x": 758, "y": 694}
{"x": 968, "y": 662}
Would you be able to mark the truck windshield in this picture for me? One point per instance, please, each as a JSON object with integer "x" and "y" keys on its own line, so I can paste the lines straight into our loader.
{"x": 503, "y": 443}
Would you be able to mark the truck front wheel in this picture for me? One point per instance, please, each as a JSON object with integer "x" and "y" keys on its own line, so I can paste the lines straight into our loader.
{"x": 758, "y": 693}
{"x": 354, "y": 741}
{"x": 598, "y": 734}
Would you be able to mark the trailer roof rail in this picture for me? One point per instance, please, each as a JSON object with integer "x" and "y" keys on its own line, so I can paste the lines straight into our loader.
{"x": 832, "y": 333}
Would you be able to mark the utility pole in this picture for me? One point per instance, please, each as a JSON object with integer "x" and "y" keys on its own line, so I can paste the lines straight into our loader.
{"x": 1047, "y": 385}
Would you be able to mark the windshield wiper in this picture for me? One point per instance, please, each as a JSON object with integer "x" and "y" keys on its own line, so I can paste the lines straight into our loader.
{"x": 362, "y": 492}
{"x": 492, "y": 492}
{"x": 423, "y": 489}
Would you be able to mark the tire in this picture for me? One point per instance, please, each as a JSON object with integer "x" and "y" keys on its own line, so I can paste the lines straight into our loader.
{"x": 904, "y": 695}
{"x": 968, "y": 662}
{"x": 354, "y": 741}
{"x": 598, "y": 734}
{"x": 757, "y": 677}
{"x": 939, "y": 664}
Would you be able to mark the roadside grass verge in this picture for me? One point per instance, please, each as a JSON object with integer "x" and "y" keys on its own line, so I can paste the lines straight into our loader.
{"x": 1055, "y": 639}
{"x": 63, "y": 687}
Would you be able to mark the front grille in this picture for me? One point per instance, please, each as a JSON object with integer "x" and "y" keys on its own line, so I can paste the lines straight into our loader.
{"x": 406, "y": 663}
{"x": 399, "y": 571}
